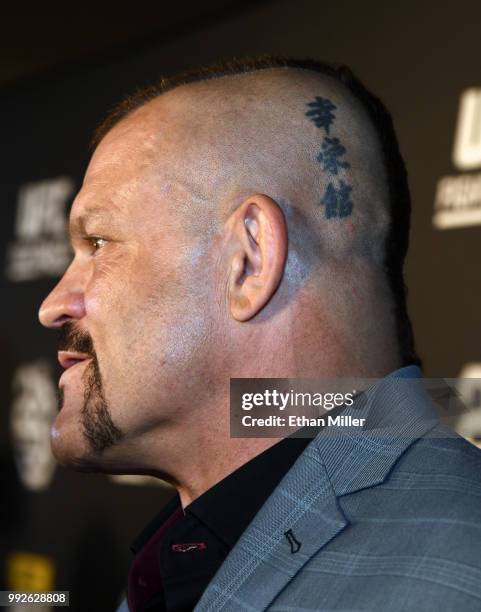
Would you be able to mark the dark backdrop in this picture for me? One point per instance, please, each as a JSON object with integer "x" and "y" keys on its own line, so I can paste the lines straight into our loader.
{"x": 70, "y": 531}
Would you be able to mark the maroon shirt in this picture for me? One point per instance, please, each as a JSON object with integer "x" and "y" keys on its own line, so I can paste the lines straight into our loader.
{"x": 178, "y": 553}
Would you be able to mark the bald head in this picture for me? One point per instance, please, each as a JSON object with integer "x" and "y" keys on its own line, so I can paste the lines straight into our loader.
{"x": 296, "y": 135}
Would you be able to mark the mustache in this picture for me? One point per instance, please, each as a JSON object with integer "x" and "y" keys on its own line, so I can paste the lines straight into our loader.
{"x": 72, "y": 339}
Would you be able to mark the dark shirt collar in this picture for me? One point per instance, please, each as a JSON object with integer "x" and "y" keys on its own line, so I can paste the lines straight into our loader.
{"x": 228, "y": 507}
{"x": 149, "y": 530}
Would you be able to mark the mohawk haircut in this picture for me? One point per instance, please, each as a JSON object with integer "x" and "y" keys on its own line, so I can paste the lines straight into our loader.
{"x": 399, "y": 200}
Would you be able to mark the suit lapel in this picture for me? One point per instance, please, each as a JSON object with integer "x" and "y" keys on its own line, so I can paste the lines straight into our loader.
{"x": 303, "y": 513}
{"x": 300, "y": 517}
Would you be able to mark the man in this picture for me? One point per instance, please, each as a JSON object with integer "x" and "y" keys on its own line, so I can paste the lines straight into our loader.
{"x": 251, "y": 221}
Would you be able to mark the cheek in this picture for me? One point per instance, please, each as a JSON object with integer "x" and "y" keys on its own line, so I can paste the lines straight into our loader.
{"x": 100, "y": 288}
{"x": 129, "y": 304}
{"x": 171, "y": 334}
{"x": 148, "y": 316}
{"x": 111, "y": 321}
{"x": 115, "y": 284}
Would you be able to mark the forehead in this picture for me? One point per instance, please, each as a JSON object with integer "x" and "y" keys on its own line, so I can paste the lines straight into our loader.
{"x": 129, "y": 148}
{"x": 125, "y": 168}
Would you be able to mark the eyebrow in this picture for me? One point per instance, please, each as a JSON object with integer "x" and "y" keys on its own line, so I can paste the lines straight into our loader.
{"x": 77, "y": 226}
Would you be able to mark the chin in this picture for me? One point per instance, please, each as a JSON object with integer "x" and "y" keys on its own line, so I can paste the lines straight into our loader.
{"x": 71, "y": 451}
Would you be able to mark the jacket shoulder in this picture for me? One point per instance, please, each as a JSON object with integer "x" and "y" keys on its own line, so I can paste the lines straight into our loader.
{"x": 442, "y": 452}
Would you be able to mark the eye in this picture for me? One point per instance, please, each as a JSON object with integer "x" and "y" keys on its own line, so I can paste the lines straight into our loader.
{"x": 96, "y": 242}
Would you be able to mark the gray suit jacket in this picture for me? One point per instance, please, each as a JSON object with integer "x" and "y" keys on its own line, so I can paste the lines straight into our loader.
{"x": 385, "y": 519}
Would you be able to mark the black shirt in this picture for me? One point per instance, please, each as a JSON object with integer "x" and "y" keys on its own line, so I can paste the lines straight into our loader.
{"x": 179, "y": 552}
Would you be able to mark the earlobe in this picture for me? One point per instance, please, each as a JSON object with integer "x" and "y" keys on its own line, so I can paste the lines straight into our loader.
{"x": 258, "y": 261}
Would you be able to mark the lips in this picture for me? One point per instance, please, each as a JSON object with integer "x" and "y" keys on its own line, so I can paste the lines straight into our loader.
{"x": 67, "y": 359}
{"x": 74, "y": 364}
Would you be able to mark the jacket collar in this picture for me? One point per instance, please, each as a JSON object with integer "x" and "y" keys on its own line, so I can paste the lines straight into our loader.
{"x": 397, "y": 410}
{"x": 303, "y": 513}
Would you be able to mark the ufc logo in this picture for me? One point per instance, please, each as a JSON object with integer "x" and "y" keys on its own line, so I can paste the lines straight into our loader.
{"x": 467, "y": 144}
{"x": 41, "y": 208}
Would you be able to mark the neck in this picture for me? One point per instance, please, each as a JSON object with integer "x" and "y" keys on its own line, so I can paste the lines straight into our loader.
{"x": 202, "y": 457}
{"x": 218, "y": 463}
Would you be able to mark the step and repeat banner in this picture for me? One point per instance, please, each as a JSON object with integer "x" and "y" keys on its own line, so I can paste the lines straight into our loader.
{"x": 67, "y": 531}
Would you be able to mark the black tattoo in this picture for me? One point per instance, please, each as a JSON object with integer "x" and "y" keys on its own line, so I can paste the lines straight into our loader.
{"x": 321, "y": 112}
{"x": 337, "y": 200}
{"x": 337, "y": 195}
{"x": 329, "y": 156}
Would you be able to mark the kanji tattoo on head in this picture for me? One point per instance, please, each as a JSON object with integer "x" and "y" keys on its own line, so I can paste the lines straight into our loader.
{"x": 329, "y": 156}
{"x": 337, "y": 195}
{"x": 321, "y": 112}
{"x": 337, "y": 200}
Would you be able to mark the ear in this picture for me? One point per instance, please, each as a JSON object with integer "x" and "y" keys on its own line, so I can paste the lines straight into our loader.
{"x": 258, "y": 234}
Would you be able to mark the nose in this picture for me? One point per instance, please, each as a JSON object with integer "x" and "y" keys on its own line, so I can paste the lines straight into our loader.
{"x": 65, "y": 302}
